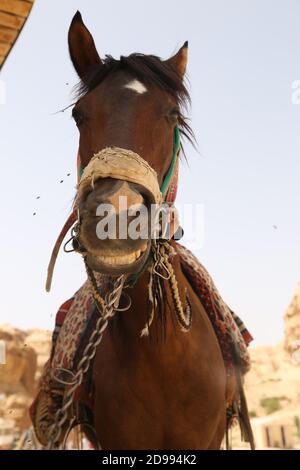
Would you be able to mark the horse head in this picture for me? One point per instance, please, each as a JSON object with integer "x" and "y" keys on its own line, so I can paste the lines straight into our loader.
{"x": 129, "y": 116}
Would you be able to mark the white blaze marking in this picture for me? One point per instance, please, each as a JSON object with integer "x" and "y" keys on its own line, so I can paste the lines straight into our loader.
{"x": 136, "y": 86}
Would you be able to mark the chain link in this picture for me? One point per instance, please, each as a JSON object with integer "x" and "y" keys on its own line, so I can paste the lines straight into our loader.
{"x": 62, "y": 415}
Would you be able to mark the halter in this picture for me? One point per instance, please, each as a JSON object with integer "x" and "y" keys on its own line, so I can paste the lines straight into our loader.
{"x": 120, "y": 164}
{"x": 168, "y": 188}
{"x": 168, "y": 192}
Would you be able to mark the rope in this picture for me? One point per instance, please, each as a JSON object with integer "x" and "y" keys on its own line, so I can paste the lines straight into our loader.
{"x": 185, "y": 320}
{"x": 162, "y": 267}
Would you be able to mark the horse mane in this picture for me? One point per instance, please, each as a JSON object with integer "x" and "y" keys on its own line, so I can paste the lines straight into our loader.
{"x": 148, "y": 69}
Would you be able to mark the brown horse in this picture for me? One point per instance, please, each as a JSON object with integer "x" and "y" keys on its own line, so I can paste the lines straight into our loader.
{"x": 162, "y": 391}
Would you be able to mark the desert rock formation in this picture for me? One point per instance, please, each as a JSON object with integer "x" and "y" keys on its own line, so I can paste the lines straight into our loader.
{"x": 292, "y": 324}
{"x": 25, "y": 354}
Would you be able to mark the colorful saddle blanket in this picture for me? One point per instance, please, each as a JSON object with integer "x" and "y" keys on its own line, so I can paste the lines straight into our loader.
{"x": 76, "y": 318}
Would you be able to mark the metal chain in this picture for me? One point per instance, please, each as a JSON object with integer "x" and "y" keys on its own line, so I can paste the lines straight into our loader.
{"x": 61, "y": 416}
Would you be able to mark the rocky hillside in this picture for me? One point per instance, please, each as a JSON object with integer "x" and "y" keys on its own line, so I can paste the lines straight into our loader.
{"x": 25, "y": 354}
{"x": 274, "y": 381}
{"x": 292, "y": 325}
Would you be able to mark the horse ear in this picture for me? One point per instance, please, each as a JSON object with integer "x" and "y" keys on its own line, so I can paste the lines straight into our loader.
{"x": 179, "y": 60}
{"x": 82, "y": 48}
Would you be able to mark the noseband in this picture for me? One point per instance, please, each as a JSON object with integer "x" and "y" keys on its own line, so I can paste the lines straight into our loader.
{"x": 126, "y": 165}
{"x": 120, "y": 164}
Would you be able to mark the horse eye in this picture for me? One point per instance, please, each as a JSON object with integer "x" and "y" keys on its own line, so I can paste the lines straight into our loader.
{"x": 77, "y": 116}
{"x": 174, "y": 114}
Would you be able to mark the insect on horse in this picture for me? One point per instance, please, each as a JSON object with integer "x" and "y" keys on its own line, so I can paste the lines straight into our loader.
{"x": 157, "y": 379}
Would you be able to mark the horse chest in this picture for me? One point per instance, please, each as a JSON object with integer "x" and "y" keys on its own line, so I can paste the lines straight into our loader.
{"x": 150, "y": 390}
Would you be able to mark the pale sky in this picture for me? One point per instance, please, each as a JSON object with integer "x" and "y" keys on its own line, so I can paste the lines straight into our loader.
{"x": 243, "y": 58}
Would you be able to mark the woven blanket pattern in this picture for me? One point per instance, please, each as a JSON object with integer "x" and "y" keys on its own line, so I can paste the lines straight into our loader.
{"x": 229, "y": 328}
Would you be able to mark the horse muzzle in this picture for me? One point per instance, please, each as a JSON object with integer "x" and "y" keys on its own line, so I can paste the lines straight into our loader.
{"x": 117, "y": 196}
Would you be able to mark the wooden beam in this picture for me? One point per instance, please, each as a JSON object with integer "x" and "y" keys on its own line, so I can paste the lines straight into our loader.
{"x": 8, "y": 35}
{"x": 11, "y": 21}
{"x": 15, "y": 7}
{"x": 4, "y": 48}
{"x": 13, "y": 14}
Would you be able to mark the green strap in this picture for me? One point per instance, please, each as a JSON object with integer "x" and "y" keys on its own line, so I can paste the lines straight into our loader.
{"x": 168, "y": 177}
{"x": 80, "y": 171}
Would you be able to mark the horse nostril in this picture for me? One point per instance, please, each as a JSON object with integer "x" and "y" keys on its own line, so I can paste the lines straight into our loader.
{"x": 119, "y": 195}
{"x": 113, "y": 198}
